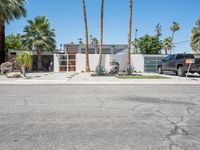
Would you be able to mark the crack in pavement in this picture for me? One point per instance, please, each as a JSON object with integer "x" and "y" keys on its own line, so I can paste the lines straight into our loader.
{"x": 177, "y": 130}
{"x": 98, "y": 98}
{"x": 25, "y": 101}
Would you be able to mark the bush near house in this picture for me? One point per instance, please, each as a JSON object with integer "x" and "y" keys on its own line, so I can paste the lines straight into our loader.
{"x": 149, "y": 45}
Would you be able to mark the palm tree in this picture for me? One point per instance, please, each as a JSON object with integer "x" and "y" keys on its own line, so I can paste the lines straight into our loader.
{"x": 129, "y": 33}
{"x": 80, "y": 41}
{"x": 39, "y": 36}
{"x": 174, "y": 28}
{"x": 24, "y": 60}
{"x": 195, "y": 37}
{"x": 101, "y": 33}
{"x": 94, "y": 41}
{"x": 9, "y": 10}
{"x": 167, "y": 44}
{"x": 87, "y": 67}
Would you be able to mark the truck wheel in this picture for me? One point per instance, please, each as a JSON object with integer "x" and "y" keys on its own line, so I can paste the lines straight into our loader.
{"x": 181, "y": 71}
{"x": 160, "y": 70}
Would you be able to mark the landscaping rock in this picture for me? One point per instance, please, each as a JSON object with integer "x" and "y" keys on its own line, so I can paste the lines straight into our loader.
{"x": 114, "y": 67}
{"x": 13, "y": 75}
{"x": 6, "y": 67}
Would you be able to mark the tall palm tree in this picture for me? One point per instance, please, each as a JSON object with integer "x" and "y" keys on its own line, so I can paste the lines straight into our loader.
{"x": 129, "y": 33}
{"x": 39, "y": 36}
{"x": 9, "y": 10}
{"x": 167, "y": 44}
{"x": 195, "y": 37}
{"x": 101, "y": 33}
{"x": 174, "y": 28}
{"x": 87, "y": 67}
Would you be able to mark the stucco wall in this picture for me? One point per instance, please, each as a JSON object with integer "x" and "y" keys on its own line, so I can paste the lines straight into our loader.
{"x": 137, "y": 61}
{"x": 93, "y": 58}
{"x": 56, "y": 63}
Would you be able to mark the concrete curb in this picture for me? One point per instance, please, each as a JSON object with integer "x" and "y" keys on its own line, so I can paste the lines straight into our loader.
{"x": 120, "y": 82}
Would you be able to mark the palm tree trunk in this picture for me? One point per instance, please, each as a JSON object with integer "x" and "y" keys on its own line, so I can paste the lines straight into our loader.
{"x": 87, "y": 67}
{"x": 165, "y": 51}
{"x": 172, "y": 50}
{"x": 101, "y": 33}
{"x": 23, "y": 71}
{"x": 129, "y": 33}
{"x": 2, "y": 43}
{"x": 39, "y": 59}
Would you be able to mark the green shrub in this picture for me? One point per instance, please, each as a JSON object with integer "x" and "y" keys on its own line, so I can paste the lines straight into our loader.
{"x": 129, "y": 69}
{"x": 100, "y": 70}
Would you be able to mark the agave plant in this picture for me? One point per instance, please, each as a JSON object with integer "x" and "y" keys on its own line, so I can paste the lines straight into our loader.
{"x": 100, "y": 70}
{"x": 129, "y": 70}
{"x": 24, "y": 60}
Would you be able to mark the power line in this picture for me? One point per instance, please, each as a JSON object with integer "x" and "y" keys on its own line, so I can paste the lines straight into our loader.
{"x": 181, "y": 42}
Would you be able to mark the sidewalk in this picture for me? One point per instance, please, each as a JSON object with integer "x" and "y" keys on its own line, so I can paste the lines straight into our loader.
{"x": 85, "y": 78}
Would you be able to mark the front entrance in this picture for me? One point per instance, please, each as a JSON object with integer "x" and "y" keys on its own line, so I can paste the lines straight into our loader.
{"x": 71, "y": 62}
{"x": 67, "y": 62}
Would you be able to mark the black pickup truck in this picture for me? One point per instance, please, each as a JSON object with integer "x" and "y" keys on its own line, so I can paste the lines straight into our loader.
{"x": 178, "y": 63}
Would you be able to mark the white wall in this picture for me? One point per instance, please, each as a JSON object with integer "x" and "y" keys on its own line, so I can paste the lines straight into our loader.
{"x": 56, "y": 63}
{"x": 93, "y": 58}
{"x": 137, "y": 61}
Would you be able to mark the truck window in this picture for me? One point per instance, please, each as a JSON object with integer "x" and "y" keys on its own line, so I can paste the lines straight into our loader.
{"x": 179, "y": 56}
{"x": 171, "y": 57}
{"x": 190, "y": 56}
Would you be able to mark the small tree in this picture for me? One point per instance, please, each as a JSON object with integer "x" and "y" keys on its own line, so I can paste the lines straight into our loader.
{"x": 24, "y": 60}
{"x": 13, "y": 42}
{"x": 149, "y": 45}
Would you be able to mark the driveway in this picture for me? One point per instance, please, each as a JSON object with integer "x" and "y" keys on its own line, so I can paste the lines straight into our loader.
{"x": 100, "y": 117}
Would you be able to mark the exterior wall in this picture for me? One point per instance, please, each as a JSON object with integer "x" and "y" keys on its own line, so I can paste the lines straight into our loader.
{"x": 56, "y": 63}
{"x": 137, "y": 61}
{"x": 93, "y": 58}
{"x": 141, "y": 63}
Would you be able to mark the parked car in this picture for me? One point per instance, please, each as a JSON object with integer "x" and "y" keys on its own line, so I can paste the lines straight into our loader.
{"x": 178, "y": 63}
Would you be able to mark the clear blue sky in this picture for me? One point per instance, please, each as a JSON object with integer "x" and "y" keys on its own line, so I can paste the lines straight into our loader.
{"x": 67, "y": 19}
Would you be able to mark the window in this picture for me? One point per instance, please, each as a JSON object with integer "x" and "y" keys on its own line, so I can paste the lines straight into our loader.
{"x": 190, "y": 56}
{"x": 105, "y": 51}
{"x": 179, "y": 56}
{"x": 171, "y": 57}
{"x": 91, "y": 51}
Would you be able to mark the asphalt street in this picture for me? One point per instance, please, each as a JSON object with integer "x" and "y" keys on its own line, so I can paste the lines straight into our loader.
{"x": 99, "y": 117}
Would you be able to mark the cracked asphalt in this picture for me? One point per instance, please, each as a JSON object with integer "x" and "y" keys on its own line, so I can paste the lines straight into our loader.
{"x": 100, "y": 117}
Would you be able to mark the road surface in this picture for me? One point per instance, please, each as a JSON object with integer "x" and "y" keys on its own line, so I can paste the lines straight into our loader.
{"x": 99, "y": 117}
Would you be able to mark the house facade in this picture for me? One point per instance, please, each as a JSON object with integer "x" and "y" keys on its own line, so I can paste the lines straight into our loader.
{"x": 71, "y": 55}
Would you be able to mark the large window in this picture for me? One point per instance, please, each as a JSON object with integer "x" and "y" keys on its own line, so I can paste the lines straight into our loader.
{"x": 91, "y": 51}
{"x": 105, "y": 51}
